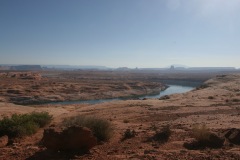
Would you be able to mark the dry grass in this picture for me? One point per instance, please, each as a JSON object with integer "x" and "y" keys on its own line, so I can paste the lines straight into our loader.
{"x": 201, "y": 133}
{"x": 101, "y": 128}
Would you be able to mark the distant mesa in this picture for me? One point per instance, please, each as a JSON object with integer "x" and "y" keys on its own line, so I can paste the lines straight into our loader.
{"x": 213, "y": 68}
{"x": 123, "y": 69}
{"x": 173, "y": 67}
{"x": 26, "y": 67}
{"x": 74, "y": 67}
{"x": 4, "y": 67}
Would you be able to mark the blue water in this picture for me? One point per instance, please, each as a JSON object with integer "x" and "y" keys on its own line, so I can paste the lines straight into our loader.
{"x": 170, "y": 90}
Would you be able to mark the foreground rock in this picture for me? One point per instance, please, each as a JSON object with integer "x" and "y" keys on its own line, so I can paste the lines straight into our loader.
{"x": 74, "y": 138}
{"x": 213, "y": 141}
{"x": 3, "y": 141}
{"x": 233, "y": 135}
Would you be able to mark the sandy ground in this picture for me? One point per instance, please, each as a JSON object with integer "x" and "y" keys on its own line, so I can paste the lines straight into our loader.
{"x": 217, "y": 106}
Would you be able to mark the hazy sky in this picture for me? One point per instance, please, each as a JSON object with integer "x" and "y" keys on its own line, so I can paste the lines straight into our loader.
{"x": 118, "y": 33}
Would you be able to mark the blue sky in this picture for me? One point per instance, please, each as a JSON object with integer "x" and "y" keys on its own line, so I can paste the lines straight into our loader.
{"x": 119, "y": 33}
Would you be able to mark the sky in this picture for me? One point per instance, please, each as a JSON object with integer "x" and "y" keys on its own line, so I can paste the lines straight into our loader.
{"x": 120, "y": 33}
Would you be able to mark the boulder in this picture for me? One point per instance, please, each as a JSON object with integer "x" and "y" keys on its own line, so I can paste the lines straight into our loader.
{"x": 233, "y": 135}
{"x": 3, "y": 141}
{"x": 215, "y": 141}
{"x": 164, "y": 97}
{"x": 74, "y": 138}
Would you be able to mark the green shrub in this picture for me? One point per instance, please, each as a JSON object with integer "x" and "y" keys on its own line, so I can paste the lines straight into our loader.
{"x": 101, "y": 128}
{"x": 41, "y": 118}
{"x": 19, "y": 125}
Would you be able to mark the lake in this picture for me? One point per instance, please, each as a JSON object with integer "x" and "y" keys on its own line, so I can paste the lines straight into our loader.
{"x": 172, "y": 89}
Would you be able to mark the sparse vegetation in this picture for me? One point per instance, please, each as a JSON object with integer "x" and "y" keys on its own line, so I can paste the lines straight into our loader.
{"x": 19, "y": 125}
{"x": 202, "y": 86}
{"x": 204, "y": 138}
{"x": 128, "y": 134}
{"x": 201, "y": 133}
{"x": 210, "y": 97}
{"x": 235, "y": 100}
{"x": 101, "y": 128}
{"x": 164, "y": 97}
{"x": 163, "y": 135}
{"x": 125, "y": 121}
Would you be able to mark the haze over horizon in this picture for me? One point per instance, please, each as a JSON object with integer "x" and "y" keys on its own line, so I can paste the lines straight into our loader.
{"x": 123, "y": 33}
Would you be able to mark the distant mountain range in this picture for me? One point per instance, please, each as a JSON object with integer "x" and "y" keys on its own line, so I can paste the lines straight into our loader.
{"x": 92, "y": 67}
{"x": 21, "y": 67}
{"x": 51, "y": 67}
{"x": 73, "y": 67}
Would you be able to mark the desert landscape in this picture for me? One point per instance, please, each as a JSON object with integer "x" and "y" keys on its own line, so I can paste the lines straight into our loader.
{"x": 37, "y": 88}
{"x": 119, "y": 80}
{"x": 200, "y": 124}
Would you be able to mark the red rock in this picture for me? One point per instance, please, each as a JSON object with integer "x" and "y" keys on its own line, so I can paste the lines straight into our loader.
{"x": 3, "y": 141}
{"x": 73, "y": 138}
{"x": 233, "y": 135}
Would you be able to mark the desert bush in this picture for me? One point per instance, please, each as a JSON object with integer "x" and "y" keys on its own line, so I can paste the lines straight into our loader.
{"x": 41, "y": 118}
{"x": 202, "y": 86}
{"x": 235, "y": 100}
{"x": 200, "y": 133}
{"x": 128, "y": 134}
{"x": 125, "y": 121}
{"x": 210, "y": 97}
{"x": 162, "y": 135}
{"x": 101, "y": 128}
{"x": 204, "y": 138}
{"x": 19, "y": 125}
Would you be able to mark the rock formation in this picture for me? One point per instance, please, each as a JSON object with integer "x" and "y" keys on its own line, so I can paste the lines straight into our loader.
{"x": 74, "y": 138}
{"x": 3, "y": 141}
{"x": 233, "y": 135}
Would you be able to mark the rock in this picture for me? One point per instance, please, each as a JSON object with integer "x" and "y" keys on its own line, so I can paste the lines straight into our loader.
{"x": 215, "y": 141}
{"x": 74, "y": 138}
{"x": 233, "y": 135}
{"x": 164, "y": 97}
{"x": 3, "y": 141}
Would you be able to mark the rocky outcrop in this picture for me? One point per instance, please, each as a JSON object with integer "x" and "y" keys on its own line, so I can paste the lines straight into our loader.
{"x": 213, "y": 141}
{"x": 3, "y": 141}
{"x": 74, "y": 138}
{"x": 233, "y": 135}
{"x": 164, "y": 97}
{"x": 22, "y": 75}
